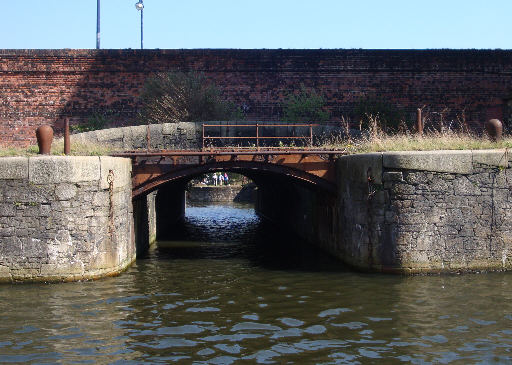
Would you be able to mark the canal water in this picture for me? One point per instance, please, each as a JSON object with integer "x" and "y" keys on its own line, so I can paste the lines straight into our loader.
{"x": 232, "y": 289}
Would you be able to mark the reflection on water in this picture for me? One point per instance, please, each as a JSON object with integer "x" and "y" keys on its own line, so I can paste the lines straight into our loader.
{"x": 231, "y": 289}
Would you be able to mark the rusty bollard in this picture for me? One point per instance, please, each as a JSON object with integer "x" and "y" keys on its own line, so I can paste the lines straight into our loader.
{"x": 494, "y": 129}
{"x": 67, "y": 145}
{"x": 44, "y": 135}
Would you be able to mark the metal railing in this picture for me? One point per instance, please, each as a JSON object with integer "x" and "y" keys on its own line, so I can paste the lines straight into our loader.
{"x": 258, "y": 137}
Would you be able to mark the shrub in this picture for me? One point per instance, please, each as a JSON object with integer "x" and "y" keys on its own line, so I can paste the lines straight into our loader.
{"x": 307, "y": 105}
{"x": 174, "y": 97}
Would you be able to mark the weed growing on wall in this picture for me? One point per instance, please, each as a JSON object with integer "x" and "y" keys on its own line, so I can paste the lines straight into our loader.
{"x": 174, "y": 97}
{"x": 305, "y": 106}
{"x": 94, "y": 122}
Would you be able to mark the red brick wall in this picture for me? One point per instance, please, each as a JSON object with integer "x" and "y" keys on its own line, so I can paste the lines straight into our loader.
{"x": 45, "y": 86}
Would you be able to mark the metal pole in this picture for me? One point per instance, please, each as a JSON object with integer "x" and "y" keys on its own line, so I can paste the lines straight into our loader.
{"x": 67, "y": 146}
{"x": 419, "y": 122}
{"x": 141, "y": 27}
{"x": 98, "y": 24}
{"x": 257, "y": 136}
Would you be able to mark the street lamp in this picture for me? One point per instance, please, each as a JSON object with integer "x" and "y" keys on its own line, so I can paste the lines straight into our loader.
{"x": 98, "y": 24}
{"x": 140, "y": 6}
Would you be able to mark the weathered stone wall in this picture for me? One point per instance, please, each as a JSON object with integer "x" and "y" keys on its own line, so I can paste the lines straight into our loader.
{"x": 225, "y": 193}
{"x": 46, "y": 86}
{"x": 426, "y": 211}
{"x": 189, "y": 135}
{"x": 161, "y": 136}
{"x": 61, "y": 220}
{"x": 407, "y": 212}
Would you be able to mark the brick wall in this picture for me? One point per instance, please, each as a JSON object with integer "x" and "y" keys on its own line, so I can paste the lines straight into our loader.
{"x": 45, "y": 86}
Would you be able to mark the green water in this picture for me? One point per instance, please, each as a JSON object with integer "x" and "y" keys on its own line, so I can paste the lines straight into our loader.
{"x": 231, "y": 289}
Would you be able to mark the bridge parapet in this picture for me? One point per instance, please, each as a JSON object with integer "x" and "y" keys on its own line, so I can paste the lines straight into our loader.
{"x": 183, "y": 136}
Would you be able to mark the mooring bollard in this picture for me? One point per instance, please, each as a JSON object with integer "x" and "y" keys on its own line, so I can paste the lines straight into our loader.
{"x": 67, "y": 146}
{"x": 44, "y": 135}
{"x": 494, "y": 129}
{"x": 419, "y": 122}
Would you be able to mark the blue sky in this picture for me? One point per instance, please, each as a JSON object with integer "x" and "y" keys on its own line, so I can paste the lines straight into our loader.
{"x": 376, "y": 24}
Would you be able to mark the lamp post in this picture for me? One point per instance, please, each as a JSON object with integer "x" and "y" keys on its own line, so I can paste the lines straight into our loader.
{"x": 140, "y": 6}
{"x": 98, "y": 24}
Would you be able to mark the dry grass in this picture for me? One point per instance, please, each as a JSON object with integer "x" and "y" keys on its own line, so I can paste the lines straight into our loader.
{"x": 429, "y": 142}
{"x": 375, "y": 140}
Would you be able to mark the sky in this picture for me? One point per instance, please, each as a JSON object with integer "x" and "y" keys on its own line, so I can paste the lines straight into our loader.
{"x": 177, "y": 24}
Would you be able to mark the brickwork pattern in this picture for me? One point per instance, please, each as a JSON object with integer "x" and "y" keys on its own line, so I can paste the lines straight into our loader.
{"x": 45, "y": 86}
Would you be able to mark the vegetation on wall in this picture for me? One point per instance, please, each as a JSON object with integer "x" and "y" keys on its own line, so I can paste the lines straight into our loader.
{"x": 372, "y": 108}
{"x": 173, "y": 97}
{"x": 94, "y": 122}
{"x": 306, "y": 105}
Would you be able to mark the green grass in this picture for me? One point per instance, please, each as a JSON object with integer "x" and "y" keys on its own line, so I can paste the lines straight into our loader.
{"x": 77, "y": 149}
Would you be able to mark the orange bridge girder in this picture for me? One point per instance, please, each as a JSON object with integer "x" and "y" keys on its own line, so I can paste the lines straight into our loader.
{"x": 154, "y": 168}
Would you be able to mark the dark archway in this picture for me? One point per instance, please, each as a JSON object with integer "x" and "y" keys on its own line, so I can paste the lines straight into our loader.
{"x": 255, "y": 170}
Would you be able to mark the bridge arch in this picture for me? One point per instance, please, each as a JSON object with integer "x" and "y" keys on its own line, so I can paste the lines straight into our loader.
{"x": 259, "y": 172}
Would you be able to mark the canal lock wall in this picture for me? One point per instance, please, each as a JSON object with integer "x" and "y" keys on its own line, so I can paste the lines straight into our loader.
{"x": 64, "y": 218}
{"x": 407, "y": 212}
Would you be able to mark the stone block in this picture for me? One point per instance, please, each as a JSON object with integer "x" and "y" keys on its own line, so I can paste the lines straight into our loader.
{"x": 492, "y": 158}
{"x": 357, "y": 168}
{"x": 113, "y": 136}
{"x": 464, "y": 186}
{"x": 65, "y": 191}
{"x": 8, "y": 209}
{"x": 121, "y": 168}
{"x": 168, "y": 128}
{"x": 156, "y": 136}
{"x": 459, "y": 162}
{"x": 392, "y": 176}
{"x": 13, "y": 168}
{"x": 61, "y": 169}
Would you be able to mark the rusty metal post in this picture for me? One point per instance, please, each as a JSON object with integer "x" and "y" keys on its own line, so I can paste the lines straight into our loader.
{"x": 494, "y": 129}
{"x": 67, "y": 142}
{"x": 257, "y": 136}
{"x": 419, "y": 122}
{"x": 148, "y": 137}
{"x": 203, "y": 136}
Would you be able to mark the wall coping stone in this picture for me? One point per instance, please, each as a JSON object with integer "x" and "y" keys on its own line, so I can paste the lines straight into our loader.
{"x": 360, "y": 166}
{"x": 13, "y": 168}
{"x": 55, "y": 169}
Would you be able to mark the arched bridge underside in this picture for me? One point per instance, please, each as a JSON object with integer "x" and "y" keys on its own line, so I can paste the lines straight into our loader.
{"x": 151, "y": 169}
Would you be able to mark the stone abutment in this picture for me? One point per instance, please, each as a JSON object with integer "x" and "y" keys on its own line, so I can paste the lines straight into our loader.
{"x": 408, "y": 212}
{"x": 64, "y": 218}
{"x": 72, "y": 218}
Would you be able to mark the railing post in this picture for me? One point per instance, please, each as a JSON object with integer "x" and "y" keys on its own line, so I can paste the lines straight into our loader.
{"x": 203, "y": 136}
{"x": 311, "y": 135}
{"x": 257, "y": 136}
